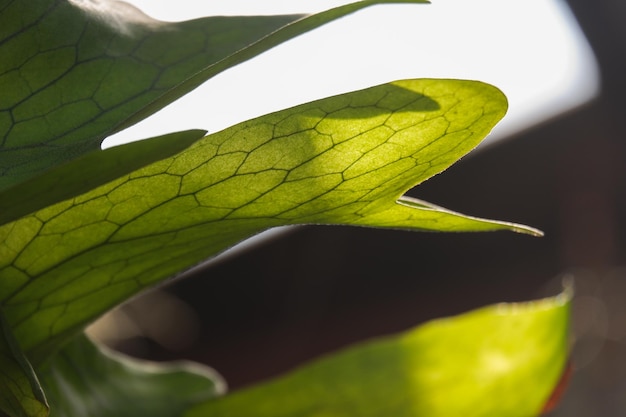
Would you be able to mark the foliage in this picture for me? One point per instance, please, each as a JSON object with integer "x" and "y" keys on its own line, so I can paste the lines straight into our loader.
{"x": 82, "y": 230}
{"x": 437, "y": 369}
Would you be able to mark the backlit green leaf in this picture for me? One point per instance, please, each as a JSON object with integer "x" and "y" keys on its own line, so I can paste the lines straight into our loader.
{"x": 498, "y": 361}
{"x": 87, "y": 380}
{"x": 73, "y": 72}
{"x": 95, "y": 168}
{"x": 343, "y": 160}
{"x": 20, "y": 392}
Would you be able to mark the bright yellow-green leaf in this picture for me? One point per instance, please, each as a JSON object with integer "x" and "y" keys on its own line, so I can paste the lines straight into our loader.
{"x": 342, "y": 160}
{"x": 20, "y": 392}
{"x": 73, "y": 72}
{"x": 498, "y": 361}
{"x": 91, "y": 381}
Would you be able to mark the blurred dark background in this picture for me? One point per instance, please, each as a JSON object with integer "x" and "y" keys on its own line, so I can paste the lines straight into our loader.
{"x": 316, "y": 289}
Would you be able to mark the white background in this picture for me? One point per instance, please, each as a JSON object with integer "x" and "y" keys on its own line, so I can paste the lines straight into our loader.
{"x": 532, "y": 50}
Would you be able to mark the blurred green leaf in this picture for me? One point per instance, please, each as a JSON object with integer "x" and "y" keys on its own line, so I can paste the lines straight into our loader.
{"x": 73, "y": 72}
{"x": 498, "y": 361}
{"x": 88, "y": 380}
{"x": 20, "y": 392}
{"x": 342, "y": 160}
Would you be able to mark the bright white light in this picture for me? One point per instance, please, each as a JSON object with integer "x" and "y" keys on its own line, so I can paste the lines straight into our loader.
{"x": 532, "y": 50}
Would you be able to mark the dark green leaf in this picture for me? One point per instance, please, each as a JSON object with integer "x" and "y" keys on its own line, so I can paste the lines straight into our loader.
{"x": 73, "y": 72}
{"x": 20, "y": 392}
{"x": 86, "y": 380}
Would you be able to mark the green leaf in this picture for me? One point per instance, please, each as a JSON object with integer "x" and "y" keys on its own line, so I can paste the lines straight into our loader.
{"x": 88, "y": 380}
{"x": 342, "y": 160}
{"x": 73, "y": 72}
{"x": 498, "y": 361}
{"x": 20, "y": 392}
{"x": 93, "y": 169}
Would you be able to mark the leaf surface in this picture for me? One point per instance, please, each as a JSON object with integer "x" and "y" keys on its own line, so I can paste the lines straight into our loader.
{"x": 88, "y": 172}
{"x": 343, "y": 160}
{"x": 88, "y": 380}
{"x": 20, "y": 392}
{"x": 498, "y": 361}
{"x": 74, "y": 72}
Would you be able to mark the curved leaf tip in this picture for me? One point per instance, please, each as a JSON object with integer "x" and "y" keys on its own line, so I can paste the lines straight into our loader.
{"x": 478, "y": 223}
